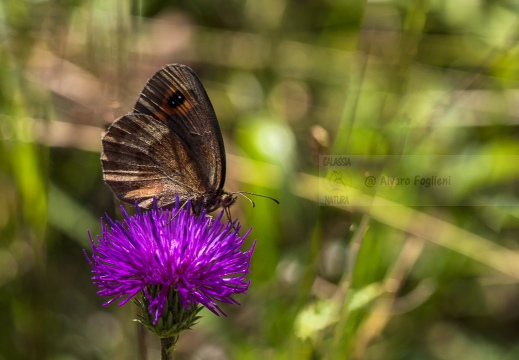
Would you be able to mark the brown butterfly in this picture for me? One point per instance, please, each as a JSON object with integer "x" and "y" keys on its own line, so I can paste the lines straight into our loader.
{"x": 169, "y": 144}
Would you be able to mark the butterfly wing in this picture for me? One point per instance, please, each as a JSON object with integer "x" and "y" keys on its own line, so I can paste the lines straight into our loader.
{"x": 170, "y": 144}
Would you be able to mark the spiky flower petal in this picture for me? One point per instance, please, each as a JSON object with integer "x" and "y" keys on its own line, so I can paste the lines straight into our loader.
{"x": 197, "y": 256}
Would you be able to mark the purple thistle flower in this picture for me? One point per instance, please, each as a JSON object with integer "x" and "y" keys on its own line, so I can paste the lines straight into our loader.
{"x": 197, "y": 256}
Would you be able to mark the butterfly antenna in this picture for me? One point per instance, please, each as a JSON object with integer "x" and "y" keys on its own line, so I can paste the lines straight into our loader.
{"x": 242, "y": 193}
{"x": 246, "y": 197}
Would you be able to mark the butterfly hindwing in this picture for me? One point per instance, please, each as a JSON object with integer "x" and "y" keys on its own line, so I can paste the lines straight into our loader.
{"x": 154, "y": 164}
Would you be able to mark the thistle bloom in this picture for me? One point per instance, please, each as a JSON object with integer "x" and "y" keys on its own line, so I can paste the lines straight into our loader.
{"x": 197, "y": 257}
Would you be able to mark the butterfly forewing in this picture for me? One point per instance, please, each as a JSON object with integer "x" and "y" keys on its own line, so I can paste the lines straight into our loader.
{"x": 176, "y": 96}
{"x": 170, "y": 144}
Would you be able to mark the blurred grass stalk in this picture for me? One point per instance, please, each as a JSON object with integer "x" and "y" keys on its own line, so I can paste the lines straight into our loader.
{"x": 24, "y": 204}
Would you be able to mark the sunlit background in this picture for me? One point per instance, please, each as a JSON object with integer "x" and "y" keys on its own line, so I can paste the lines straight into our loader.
{"x": 289, "y": 80}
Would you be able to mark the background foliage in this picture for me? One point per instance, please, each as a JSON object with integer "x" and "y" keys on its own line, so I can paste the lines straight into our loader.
{"x": 289, "y": 80}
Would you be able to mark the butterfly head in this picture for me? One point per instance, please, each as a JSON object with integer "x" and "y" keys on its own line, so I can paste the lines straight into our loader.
{"x": 226, "y": 199}
{"x": 213, "y": 201}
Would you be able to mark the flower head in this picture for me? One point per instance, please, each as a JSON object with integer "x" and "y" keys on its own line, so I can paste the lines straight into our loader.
{"x": 197, "y": 256}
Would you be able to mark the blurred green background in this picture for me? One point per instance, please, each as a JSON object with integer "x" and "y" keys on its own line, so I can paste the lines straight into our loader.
{"x": 289, "y": 80}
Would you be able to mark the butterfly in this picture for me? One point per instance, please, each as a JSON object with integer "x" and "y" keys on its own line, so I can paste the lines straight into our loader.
{"x": 169, "y": 144}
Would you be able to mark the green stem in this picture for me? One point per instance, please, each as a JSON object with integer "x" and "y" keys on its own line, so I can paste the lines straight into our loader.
{"x": 167, "y": 346}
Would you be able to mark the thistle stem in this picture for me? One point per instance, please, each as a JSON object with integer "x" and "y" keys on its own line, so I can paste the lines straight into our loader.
{"x": 167, "y": 346}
